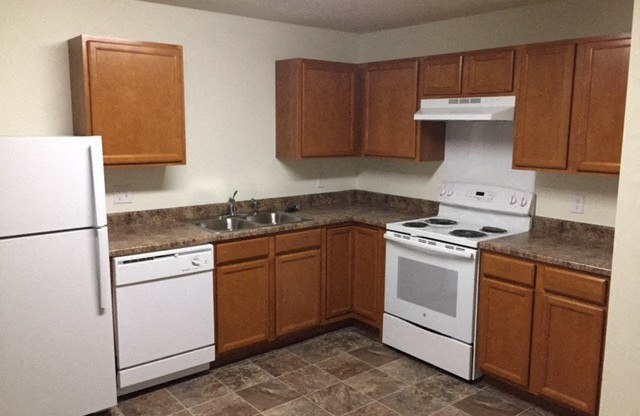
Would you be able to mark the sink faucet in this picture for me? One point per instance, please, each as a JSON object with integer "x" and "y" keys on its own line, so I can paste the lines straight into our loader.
{"x": 233, "y": 206}
{"x": 254, "y": 205}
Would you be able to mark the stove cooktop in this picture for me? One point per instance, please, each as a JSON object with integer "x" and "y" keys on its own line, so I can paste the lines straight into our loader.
{"x": 456, "y": 231}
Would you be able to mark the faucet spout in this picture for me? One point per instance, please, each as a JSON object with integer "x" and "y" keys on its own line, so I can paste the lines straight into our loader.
{"x": 233, "y": 206}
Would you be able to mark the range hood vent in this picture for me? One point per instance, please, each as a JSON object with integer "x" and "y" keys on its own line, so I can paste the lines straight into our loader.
{"x": 469, "y": 109}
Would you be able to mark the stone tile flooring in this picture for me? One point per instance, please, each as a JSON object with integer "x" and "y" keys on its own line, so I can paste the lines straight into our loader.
{"x": 345, "y": 372}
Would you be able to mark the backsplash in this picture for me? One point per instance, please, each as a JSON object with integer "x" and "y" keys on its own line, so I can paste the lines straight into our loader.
{"x": 323, "y": 200}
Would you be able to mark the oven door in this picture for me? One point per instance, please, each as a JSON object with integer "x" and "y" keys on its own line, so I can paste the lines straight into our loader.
{"x": 431, "y": 284}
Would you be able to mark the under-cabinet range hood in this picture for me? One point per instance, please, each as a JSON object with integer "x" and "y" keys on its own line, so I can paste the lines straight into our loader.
{"x": 467, "y": 109}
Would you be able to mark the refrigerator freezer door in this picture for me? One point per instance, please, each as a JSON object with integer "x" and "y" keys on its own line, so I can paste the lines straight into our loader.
{"x": 51, "y": 184}
{"x": 56, "y": 342}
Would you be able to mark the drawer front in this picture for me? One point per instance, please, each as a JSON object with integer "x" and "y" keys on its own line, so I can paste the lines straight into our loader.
{"x": 301, "y": 240}
{"x": 242, "y": 250}
{"x": 509, "y": 269}
{"x": 575, "y": 284}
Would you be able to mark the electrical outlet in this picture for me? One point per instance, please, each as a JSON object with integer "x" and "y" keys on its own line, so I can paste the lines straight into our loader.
{"x": 577, "y": 204}
{"x": 123, "y": 197}
{"x": 320, "y": 183}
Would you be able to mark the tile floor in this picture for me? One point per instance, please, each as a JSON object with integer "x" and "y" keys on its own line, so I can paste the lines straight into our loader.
{"x": 345, "y": 372}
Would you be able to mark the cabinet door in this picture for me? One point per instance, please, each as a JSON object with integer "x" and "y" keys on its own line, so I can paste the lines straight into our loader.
{"x": 365, "y": 265}
{"x": 243, "y": 304}
{"x": 339, "y": 271}
{"x": 441, "y": 75}
{"x": 391, "y": 99}
{"x": 135, "y": 92}
{"x": 328, "y": 109}
{"x": 543, "y": 107}
{"x": 567, "y": 350}
{"x": 489, "y": 72}
{"x": 504, "y": 330}
{"x": 298, "y": 279}
{"x": 600, "y": 92}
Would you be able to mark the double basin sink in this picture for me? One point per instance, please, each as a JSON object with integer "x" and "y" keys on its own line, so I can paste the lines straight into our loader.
{"x": 245, "y": 222}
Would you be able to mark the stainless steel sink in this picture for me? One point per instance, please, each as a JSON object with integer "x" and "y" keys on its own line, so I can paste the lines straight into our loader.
{"x": 272, "y": 218}
{"x": 225, "y": 223}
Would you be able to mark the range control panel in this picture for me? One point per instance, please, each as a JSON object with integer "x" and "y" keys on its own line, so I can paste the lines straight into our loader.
{"x": 494, "y": 198}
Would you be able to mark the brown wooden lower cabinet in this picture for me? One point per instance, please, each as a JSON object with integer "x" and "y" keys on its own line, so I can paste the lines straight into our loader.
{"x": 298, "y": 286}
{"x": 558, "y": 329}
{"x": 353, "y": 284}
{"x": 339, "y": 276}
{"x": 268, "y": 287}
{"x": 243, "y": 304}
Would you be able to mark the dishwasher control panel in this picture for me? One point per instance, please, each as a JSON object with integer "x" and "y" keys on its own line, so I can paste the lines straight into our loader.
{"x": 155, "y": 265}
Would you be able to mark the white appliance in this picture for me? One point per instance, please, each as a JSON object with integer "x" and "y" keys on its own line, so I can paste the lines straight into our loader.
{"x": 467, "y": 109}
{"x": 431, "y": 284}
{"x": 56, "y": 325}
{"x": 164, "y": 315}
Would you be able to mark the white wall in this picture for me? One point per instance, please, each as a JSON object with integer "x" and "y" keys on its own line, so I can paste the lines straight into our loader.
{"x": 229, "y": 94}
{"x": 537, "y": 23}
{"x": 622, "y": 350}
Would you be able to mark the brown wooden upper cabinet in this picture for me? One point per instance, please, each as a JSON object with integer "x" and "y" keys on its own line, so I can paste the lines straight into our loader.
{"x": 390, "y": 100}
{"x": 467, "y": 74}
{"x": 570, "y": 106}
{"x": 315, "y": 109}
{"x": 131, "y": 93}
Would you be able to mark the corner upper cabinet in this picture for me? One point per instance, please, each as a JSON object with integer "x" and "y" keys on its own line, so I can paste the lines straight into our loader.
{"x": 570, "y": 106}
{"x": 390, "y": 101}
{"x": 131, "y": 93}
{"x": 315, "y": 109}
{"x": 489, "y": 72}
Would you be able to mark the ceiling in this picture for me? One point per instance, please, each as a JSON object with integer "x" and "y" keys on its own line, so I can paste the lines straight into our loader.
{"x": 357, "y": 16}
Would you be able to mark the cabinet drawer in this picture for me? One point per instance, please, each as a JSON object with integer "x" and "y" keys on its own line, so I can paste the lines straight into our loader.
{"x": 510, "y": 269}
{"x": 576, "y": 285}
{"x": 298, "y": 241}
{"x": 242, "y": 250}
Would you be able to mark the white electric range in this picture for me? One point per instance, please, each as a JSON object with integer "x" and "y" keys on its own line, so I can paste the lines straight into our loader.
{"x": 431, "y": 285}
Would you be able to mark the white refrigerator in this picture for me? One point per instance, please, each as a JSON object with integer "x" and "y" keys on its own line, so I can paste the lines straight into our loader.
{"x": 56, "y": 326}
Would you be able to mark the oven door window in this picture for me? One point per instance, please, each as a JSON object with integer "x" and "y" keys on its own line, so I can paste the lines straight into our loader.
{"x": 431, "y": 287}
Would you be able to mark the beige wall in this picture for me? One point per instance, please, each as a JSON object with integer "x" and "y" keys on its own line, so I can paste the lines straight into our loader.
{"x": 622, "y": 351}
{"x": 538, "y": 23}
{"x": 229, "y": 93}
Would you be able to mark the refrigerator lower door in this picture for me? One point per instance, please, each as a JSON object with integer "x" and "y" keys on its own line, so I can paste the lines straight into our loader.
{"x": 51, "y": 184}
{"x": 56, "y": 342}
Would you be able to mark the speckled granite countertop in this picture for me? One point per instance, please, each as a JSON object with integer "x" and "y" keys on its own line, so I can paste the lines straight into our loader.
{"x": 582, "y": 247}
{"x": 139, "y": 238}
{"x": 578, "y": 246}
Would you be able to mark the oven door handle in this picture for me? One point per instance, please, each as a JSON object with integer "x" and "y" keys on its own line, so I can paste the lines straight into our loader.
{"x": 427, "y": 248}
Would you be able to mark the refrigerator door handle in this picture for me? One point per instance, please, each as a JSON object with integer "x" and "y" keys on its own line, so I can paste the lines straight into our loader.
{"x": 104, "y": 280}
{"x": 97, "y": 175}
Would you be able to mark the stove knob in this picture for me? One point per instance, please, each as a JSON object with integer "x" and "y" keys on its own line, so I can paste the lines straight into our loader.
{"x": 450, "y": 192}
{"x": 524, "y": 202}
{"x": 442, "y": 191}
{"x": 513, "y": 200}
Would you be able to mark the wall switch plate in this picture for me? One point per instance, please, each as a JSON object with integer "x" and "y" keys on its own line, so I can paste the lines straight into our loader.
{"x": 123, "y": 197}
{"x": 320, "y": 183}
{"x": 577, "y": 204}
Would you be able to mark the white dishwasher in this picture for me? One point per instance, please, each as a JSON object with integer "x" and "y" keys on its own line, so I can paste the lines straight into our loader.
{"x": 163, "y": 306}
